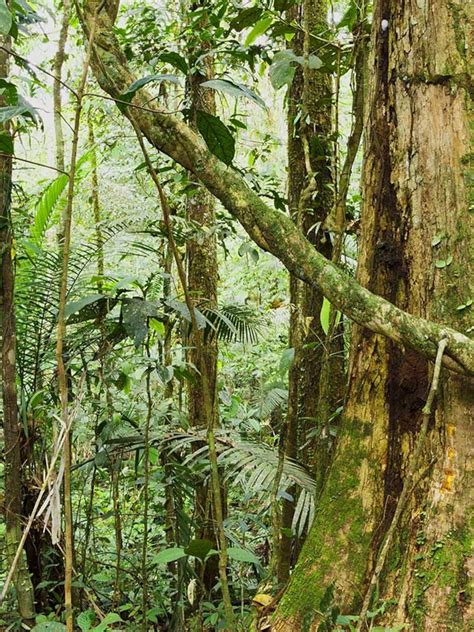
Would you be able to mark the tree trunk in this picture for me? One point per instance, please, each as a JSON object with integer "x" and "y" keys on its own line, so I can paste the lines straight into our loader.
{"x": 12, "y": 432}
{"x": 310, "y": 200}
{"x": 415, "y": 219}
{"x": 201, "y": 254}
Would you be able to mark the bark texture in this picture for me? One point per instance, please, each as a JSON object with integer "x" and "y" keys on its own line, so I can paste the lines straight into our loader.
{"x": 310, "y": 200}
{"x": 415, "y": 191}
{"x": 201, "y": 253}
{"x": 12, "y": 431}
{"x": 269, "y": 228}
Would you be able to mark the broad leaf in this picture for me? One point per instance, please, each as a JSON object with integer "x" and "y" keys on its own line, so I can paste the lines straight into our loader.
{"x": 85, "y": 620}
{"x": 217, "y": 136}
{"x": 350, "y": 16}
{"x": 282, "y": 69}
{"x": 176, "y": 60}
{"x": 182, "y": 309}
{"x": 139, "y": 83}
{"x": 6, "y": 20}
{"x": 21, "y": 108}
{"x": 259, "y": 29}
{"x": 234, "y": 89}
{"x": 169, "y": 555}
{"x": 6, "y": 144}
{"x": 110, "y": 618}
{"x": 135, "y": 314}
{"x": 76, "y": 306}
{"x": 324, "y": 315}
{"x": 287, "y": 358}
{"x": 49, "y": 626}
{"x": 245, "y": 18}
{"x": 242, "y": 555}
{"x": 199, "y": 548}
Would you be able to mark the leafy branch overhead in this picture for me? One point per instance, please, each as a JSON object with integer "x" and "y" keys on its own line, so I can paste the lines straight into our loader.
{"x": 270, "y": 229}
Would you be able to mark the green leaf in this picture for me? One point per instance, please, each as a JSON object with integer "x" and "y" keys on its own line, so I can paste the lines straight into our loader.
{"x": 467, "y": 304}
{"x": 286, "y": 359}
{"x": 346, "y": 619}
{"x": 199, "y": 548}
{"x": 284, "y": 5}
{"x": 6, "y": 144}
{"x": 45, "y": 206}
{"x": 136, "y": 312}
{"x": 139, "y": 83}
{"x": 49, "y": 626}
{"x": 349, "y": 18}
{"x": 21, "y": 108}
{"x": 111, "y": 617}
{"x": 153, "y": 455}
{"x": 324, "y": 315}
{"x": 242, "y": 555}
{"x": 234, "y": 89}
{"x": 259, "y": 29}
{"x": 245, "y": 18}
{"x": 176, "y": 60}
{"x": 76, "y": 306}
{"x": 182, "y": 309}
{"x": 6, "y": 20}
{"x": 282, "y": 69}
{"x": 444, "y": 263}
{"x": 85, "y": 620}
{"x": 247, "y": 248}
{"x": 217, "y": 136}
{"x": 169, "y": 555}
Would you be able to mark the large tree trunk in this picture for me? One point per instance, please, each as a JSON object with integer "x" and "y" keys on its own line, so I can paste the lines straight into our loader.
{"x": 415, "y": 191}
{"x": 12, "y": 433}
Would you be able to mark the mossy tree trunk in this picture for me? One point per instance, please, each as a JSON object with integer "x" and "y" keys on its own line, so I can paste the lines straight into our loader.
{"x": 416, "y": 251}
{"x": 310, "y": 196}
{"x": 201, "y": 255}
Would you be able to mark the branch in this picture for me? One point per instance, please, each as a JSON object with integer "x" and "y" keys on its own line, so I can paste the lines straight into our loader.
{"x": 270, "y": 229}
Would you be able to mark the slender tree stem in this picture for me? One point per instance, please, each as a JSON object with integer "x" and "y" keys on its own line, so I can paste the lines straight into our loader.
{"x": 61, "y": 333}
{"x": 146, "y": 481}
{"x": 12, "y": 429}
{"x": 57, "y": 71}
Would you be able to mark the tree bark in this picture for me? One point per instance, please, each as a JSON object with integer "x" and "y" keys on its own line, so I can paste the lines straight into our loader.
{"x": 201, "y": 254}
{"x": 269, "y": 228}
{"x": 310, "y": 200}
{"x": 415, "y": 190}
{"x": 12, "y": 432}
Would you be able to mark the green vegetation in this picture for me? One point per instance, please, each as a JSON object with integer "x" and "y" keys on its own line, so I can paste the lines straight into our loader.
{"x": 235, "y": 315}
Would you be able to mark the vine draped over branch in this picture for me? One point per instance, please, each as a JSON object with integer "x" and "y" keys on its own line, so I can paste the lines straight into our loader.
{"x": 270, "y": 229}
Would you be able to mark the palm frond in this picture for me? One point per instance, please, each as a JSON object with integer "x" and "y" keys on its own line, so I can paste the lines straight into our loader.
{"x": 254, "y": 466}
{"x": 274, "y": 396}
{"x": 234, "y": 323}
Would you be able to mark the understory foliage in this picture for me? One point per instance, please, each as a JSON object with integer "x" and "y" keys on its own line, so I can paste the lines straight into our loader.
{"x": 146, "y": 548}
